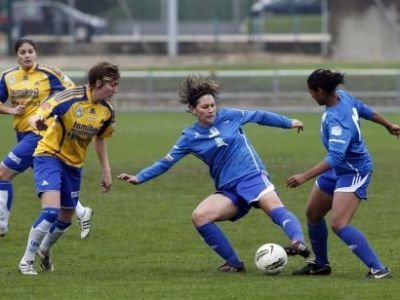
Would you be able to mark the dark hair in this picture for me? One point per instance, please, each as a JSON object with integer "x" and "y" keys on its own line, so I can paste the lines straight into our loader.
{"x": 22, "y": 41}
{"x": 325, "y": 79}
{"x": 103, "y": 71}
{"x": 194, "y": 87}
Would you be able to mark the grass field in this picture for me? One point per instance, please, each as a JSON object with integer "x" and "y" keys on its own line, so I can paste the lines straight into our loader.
{"x": 143, "y": 245}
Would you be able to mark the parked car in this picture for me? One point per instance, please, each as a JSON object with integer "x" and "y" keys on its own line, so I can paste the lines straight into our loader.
{"x": 286, "y": 7}
{"x": 53, "y": 18}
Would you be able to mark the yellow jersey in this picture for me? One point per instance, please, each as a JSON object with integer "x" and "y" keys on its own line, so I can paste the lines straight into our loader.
{"x": 77, "y": 119}
{"x": 31, "y": 88}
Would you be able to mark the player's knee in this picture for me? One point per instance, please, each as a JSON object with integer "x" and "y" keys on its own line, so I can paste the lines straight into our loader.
{"x": 66, "y": 215}
{"x": 337, "y": 224}
{"x": 47, "y": 217}
{"x": 4, "y": 173}
{"x": 200, "y": 217}
{"x": 313, "y": 217}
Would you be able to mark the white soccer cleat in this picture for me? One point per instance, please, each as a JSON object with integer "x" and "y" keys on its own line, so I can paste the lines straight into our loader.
{"x": 26, "y": 267}
{"x": 46, "y": 262}
{"x": 86, "y": 222}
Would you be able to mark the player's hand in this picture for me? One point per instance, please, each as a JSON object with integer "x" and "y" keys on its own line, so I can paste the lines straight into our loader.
{"x": 296, "y": 180}
{"x": 105, "y": 183}
{"x": 297, "y": 124}
{"x": 41, "y": 124}
{"x": 395, "y": 130}
{"x": 128, "y": 178}
{"x": 37, "y": 122}
{"x": 18, "y": 110}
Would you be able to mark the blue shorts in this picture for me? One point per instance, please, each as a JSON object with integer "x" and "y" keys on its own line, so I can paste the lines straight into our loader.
{"x": 20, "y": 158}
{"x": 51, "y": 174}
{"x": 357, "y": 183}
{"x": 245, "y": 191}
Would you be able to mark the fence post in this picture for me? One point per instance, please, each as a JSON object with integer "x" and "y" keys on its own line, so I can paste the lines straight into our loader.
{"x": 10, "y": 27}
{"x": 324, "y": 27}
{"x": 149, "y": 87}
{"x": 172, "y": 27}
{"x": 398, "y": 87}
{"x": 275, "y": 86}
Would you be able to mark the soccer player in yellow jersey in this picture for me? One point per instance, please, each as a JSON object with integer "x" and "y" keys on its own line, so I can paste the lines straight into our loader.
{"x": 81, "y": 114}
{"x": 25, "y": 87}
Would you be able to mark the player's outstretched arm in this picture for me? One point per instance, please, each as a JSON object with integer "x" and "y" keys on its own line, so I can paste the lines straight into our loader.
{"x": 392, "y": 128}
{"x": 298, "y": 179}
{"x": 128, "y": 178}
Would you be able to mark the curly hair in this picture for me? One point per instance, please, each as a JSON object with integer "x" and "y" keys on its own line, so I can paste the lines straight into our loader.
{"x": 194, "y": 87}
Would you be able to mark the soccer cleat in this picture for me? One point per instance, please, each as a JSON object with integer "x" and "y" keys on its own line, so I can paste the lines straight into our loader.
{"x": 26, "y": 267}
{"x": 3, "y": 231}
{"x": 228, "y": 268}
{"x": 46, "y": 262}
{"x": 86, "y": 222}
{"x": 313, "y": 269}
{"x": 298, "y": 248}
{"x": 379, "y": 273}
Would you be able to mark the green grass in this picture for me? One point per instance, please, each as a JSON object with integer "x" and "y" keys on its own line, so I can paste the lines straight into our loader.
{"x": 143, "y": 245}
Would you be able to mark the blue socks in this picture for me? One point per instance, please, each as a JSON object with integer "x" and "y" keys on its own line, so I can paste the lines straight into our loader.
{"x": 354, "y": 239}
{"x": 318, "y": 234}
{"x": 288, "y": 222}
{"x": 217, "y": 240}
{"x": 357, "y": 242}
{"x": 59, "y": 225}
{"x": 49, "y": 214}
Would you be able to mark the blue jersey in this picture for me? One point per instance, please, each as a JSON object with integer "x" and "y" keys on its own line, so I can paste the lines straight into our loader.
{"x": 223, "y": 147}
{"x": 341, "y": 135}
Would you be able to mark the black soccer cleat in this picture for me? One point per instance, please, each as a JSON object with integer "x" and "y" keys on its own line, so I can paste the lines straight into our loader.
{"x": 313, "y": 269}
{"x": 298, "y": 248}
{"x": 228, "y": 268}
{"x": 379, "y": 274}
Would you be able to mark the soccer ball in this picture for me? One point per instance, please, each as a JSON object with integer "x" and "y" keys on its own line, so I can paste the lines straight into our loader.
{"x": 271, "y": 259}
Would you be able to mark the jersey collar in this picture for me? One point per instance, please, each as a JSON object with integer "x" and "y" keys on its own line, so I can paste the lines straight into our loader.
{"x": 31, "y": 70}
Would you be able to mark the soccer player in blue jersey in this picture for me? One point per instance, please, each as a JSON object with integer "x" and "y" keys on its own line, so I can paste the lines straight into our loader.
{"x": 82, "y": 114}
{"x": 241, "y": 180}
{"x": 343, "y": 176}
{"x": 26, "y": 86}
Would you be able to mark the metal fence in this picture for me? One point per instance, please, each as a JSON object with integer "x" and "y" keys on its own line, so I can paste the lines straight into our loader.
{"x": 279, "y": 90}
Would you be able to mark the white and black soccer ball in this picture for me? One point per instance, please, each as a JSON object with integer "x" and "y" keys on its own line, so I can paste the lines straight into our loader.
{"x": 271, "y": 259}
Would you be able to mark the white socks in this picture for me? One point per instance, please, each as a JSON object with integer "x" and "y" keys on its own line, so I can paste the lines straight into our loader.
{"x": 79, "y": 210}
{"x": 35, "y": 238}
